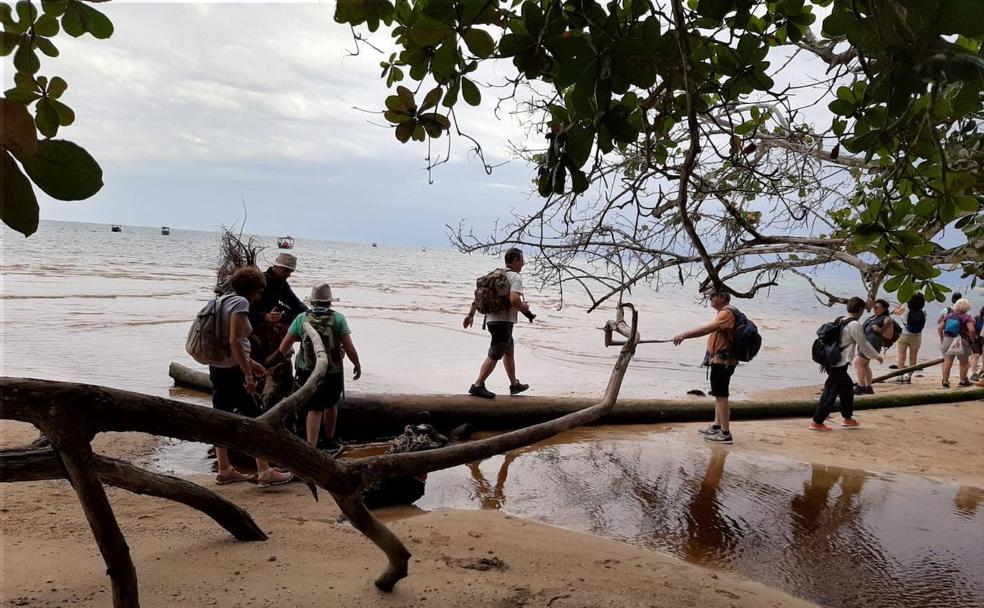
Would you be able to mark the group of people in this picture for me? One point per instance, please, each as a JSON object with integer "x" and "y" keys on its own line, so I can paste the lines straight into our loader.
{"x": 257, "y": 298}
{"x": 961, "y": 338}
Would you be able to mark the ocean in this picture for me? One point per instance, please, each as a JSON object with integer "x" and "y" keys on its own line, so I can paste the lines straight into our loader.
{"x": 81, "y": 303}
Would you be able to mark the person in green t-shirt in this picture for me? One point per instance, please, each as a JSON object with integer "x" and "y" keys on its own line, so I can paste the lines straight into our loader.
{"x": 321, "y": 410}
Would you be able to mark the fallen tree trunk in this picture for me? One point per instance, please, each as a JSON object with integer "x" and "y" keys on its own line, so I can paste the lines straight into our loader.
{"x": 374, "y": 415}
{"x": 39, "y": 462}
{"x": 906, "y": 370}
{"x": 71, "y": 414}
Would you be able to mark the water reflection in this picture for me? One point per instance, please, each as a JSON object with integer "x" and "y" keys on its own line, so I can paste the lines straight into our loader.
{"x": 838, "y": 537}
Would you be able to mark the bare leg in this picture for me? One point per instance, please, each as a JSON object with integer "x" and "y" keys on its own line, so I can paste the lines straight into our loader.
{"x": 509, "y": 362}
{"x": 722, "y": 413}
{"x": 487, "y": 366}
{"x": 329, "y": 420}
{"x": 902, "y": 349}
{"x": 312, "y": 427}
{"x": 859, "y": 369}
{"x": 964, "y": 366}
{"x": 913, "y": 355}
{"x": 947, "y": 365}
{"x": 222, "y": 457}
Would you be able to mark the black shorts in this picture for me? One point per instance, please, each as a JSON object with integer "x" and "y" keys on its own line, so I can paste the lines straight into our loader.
{"x": 229, "y": 391}
{"x": 328, "y": 395}
{"x": 721, "y": 379}
{"x": 502, "y": 341}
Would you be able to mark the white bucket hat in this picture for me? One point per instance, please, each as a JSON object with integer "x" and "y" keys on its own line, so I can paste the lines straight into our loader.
{"x": 286, "y": 260}
{"x": 321, "y": 293}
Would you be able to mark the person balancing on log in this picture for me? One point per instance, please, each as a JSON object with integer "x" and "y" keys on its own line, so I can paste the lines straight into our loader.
{"x": 499, "y": 296}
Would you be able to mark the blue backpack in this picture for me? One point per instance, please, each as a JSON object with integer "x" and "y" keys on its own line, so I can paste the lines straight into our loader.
{"x": 951, "y": 325}
{"x": 746, "y": 341}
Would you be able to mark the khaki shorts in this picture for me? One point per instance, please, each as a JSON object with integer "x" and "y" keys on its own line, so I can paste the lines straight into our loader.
{"x": 913, "y": 341}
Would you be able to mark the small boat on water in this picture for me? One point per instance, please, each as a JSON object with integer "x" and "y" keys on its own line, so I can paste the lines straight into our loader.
{"x": 116, "y": 228}
{"x": 165, "y": 230}
{"x": 285, "y": 242}
{"x": 375, "y": 245}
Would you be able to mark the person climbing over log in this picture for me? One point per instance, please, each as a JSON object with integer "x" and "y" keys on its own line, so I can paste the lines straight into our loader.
{"x": 278, "y": 303}
{"x": 720, "y": 334}
{"x": 234, "y": 378}
{"x": 913, "y": 321}
{"x": 321, "y": 411}
{"x": 839, "y": 384}
{"x": 500, "y": 324}
{"x": 879, "y": 330}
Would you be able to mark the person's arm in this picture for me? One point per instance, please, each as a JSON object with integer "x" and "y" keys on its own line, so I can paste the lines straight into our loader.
{"x": 899, "y": 310}
{"x": 940, "y": 323}
{"x": 470, "y": 317}
{"x": 517, "y": 302}
{"x": 971, "y": 328}
{"x": 698, "y": 332}
{"x": 349, "y": 347}
{"x": 864, "y": 347}
{"x": 293, "y": 303}
{"x": 237, "y": 331}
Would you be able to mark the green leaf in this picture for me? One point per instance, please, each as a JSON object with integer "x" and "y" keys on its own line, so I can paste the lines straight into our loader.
{"x": 66, "y": 115}
{"x": 920, "y": 269}
{"x": 966, "y": 203}
{"x": 579, "y": 143}
{"x": 46, "y": 46}
{"x": 26, "y": 60}
{"x": 95, "y": 22}
{"x": 715, "y": 9}
{"x": 56, "y": 87}
{"x": 396, "y": 117}
{"x": 55, "y": 8}
{"x": 479, "y": 42}
{"x": 46, "y": 25}
{"x": 18, "y": 134}
{"x": 841, "y": 107}
{"x": 64, "y": 170}
{"x": 8, "y": 42}
{"x": 46, "y": 118}
{"x": 442, "y": 65}
{"x": 470, "y": 92}
{"x": 18, "y": 204}
{"x": 431, "y": 99}
{"x": 579, "y": 181}
{"x": 404, "y": 130}
{"x": 72, "y": 20}
{"x": 22, "y": 96}
{"x": 452, "y": 95}
{"x": 429, "y": 32}
{"x": 894, "y": 283}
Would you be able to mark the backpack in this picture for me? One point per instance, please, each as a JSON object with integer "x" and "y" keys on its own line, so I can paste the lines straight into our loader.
{"x": 746, "y": 340}
{"x": 951, "y": 325}
{"x": 826, "y": 348}
{"x": 887, "y": 343}
{"x": 492, "y": 292}
{"x": 323, "y": 324}
{"x": 915, "y": 321}
{"x": 205, "y": 342}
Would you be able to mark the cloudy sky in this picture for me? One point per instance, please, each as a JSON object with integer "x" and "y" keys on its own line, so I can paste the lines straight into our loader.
{"x": 193, "y": 108}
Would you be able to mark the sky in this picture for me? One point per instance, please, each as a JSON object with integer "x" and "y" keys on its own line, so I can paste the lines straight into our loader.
{"x": 192, "y": 109}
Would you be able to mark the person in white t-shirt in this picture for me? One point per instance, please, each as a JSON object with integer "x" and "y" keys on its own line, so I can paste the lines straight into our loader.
{"x": 500, "y": 326}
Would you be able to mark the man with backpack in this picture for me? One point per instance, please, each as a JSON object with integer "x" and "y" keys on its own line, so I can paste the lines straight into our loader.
{"x": 500, "y": 321}
{"x": 722, "y": 362}
{"x": 834, "y": 350}
{"x": 321, "y": 410}
{"x": 278, "y": 302}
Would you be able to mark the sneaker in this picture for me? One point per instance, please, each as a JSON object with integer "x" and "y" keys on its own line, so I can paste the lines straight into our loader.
{"x": 719, "y": 437}
{"x": 946, "y": 384}
{"x": 481, "y": 391}
{"x": 850, "y": 423}
{"x": 975, "y": 377}
{"x": 273, "y": 477}
{"x": 819, "y": 427}
{"x": 900, "y": 379}
{"x": 908, "y": 378}
{"x": 230, "y": 475}
{"x": 709, "y": 430}
{"x": 964, "y": 383}
{"x": 519, "y": 387}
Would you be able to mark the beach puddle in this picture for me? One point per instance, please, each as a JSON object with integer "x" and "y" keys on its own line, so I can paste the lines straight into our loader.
{"x": 838, "y": 537}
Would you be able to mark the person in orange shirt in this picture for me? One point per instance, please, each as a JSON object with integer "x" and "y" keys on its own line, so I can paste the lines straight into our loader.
{"x": 720, "y": 333}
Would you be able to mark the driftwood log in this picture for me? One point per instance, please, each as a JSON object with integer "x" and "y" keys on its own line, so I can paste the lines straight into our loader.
{"x": 369, "y": 416}
{"x": 906, "y": 370}
{"x": 71, "y": 414}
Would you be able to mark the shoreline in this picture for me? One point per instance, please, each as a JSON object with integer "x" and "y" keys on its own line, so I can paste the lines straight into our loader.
{"x": 183, "y": 557}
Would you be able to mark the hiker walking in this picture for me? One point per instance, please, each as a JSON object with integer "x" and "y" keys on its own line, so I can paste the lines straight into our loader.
{"x": 943, "y": 313}
{"x": 913, "y": 322}
{"x": 977, "y": 348}
{"x": 234, "y": 378}
{"x": 500, "y": 325}
{"x": 957, "y": 329}
{"x": 879, "y": 331}
{"x": 321, "y": 411}
{"x": 720, "y": 334}
{"x": 278, "y": 301}
{"x": 843, "y": 337}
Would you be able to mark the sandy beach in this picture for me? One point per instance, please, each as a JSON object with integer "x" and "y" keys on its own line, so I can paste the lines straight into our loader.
{"x": 461, "y": 558}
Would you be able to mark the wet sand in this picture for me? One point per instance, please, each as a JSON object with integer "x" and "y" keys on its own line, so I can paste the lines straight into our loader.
{"x": 183, "y": 558}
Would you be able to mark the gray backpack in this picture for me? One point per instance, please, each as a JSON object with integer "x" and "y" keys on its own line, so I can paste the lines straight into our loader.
{"x": 206, "y": 342}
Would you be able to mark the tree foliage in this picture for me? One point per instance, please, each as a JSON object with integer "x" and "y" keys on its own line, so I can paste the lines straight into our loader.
{"x": 675, "y": 139}
{"x": 61, "y": 169}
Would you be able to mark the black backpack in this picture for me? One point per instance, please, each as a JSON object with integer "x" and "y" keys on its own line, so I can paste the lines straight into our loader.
{"x": 826, "y": 348}
{"x": 915, "y": 321}
{"x": 746, "y": 340}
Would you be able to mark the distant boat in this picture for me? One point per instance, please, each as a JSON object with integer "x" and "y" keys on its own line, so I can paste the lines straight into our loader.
{"x": 116, "y": 228}
{"x": 165, "y": 230}
{"x": 375, "y": 245}
{"x": 423, "y": 249}
{"x": 285, "y": 242}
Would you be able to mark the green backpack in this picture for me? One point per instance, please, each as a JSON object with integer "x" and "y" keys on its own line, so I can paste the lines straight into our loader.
{"x": 322, "y": 322}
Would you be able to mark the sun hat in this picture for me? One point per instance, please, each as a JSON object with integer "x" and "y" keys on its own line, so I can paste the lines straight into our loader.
{"x": 286, "y": 260}
{"x": 320, "y": 293}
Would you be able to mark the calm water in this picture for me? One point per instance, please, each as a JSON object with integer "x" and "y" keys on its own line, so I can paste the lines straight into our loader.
{"x": 116, "y": 306}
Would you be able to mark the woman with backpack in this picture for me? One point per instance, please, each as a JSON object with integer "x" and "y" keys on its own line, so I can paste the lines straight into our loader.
{"x": 958, "y": 330}
{"x": 977, "y": 347}
{"x": 913, "y": 321}
{"x": 879, "y": 330}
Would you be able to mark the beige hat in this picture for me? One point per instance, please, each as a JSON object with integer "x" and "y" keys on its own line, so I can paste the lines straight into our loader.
{"x": 320, "y": 293}
{"x": 287, "y": 261}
